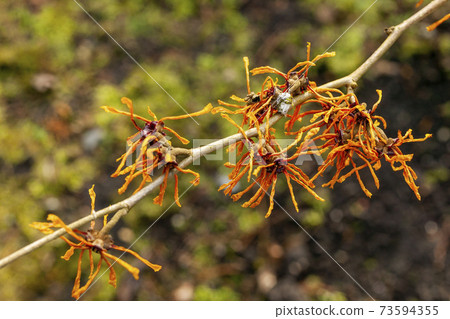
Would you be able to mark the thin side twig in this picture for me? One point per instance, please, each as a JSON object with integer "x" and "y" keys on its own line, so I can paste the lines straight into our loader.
{"x": 394, "y": 33}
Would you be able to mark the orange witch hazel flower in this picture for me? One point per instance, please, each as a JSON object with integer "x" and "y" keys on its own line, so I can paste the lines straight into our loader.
{"x": 352, "y": 134}
{"x": 389, "y": 149}
{"x": 272, "y": 98}
{"x": 270, "y": 161}
{"x": 92, "y": 241}
{"x": 154, "y": 150}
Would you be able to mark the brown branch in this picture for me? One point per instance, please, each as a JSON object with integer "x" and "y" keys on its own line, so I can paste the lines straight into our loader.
{"x": 124, "y": 206}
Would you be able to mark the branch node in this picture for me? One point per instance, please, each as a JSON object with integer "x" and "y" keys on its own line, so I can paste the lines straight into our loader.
{"x": 389, "y": 30}
{"x": 351, "y": 90}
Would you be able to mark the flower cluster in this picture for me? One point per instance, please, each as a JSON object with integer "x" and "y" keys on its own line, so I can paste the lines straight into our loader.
{"x": 269, "y": 161}
{"x": 154, "y": 150}
{"x": 352, "y": 133}
{"x": 92, "y": 241}
{"x": 340, "y": 127}
{"x": 273, "y": 98}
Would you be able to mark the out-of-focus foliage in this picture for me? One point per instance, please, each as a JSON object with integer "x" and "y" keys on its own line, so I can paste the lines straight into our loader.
{"x": 57, "y": 67}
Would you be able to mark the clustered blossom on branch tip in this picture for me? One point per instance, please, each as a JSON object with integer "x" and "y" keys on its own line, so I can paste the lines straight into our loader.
{"x": 93, "y": 241}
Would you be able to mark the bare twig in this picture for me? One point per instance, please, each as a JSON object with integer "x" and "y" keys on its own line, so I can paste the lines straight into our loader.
{"x": 123, "y": 207}
{"x": 393, "y": 35}
{"x": 113, "y": 221}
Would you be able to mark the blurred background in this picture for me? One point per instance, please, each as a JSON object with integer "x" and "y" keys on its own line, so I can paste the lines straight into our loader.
{"x": 57, "y": 67}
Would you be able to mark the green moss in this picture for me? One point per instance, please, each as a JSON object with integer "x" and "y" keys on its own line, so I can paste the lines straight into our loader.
{"x": 203, "y": 255}
{"x": 313, "y": 218}
{"x": 59, "y": 39}
{"x": 349, "y": 53}
{"x": 205, "y": 293}
{"x": 437, "y": 175}
{"x": 249, "y": 219}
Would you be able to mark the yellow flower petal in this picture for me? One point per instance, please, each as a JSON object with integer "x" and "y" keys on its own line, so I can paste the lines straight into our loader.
{"x": 135, "y": 254}
{"x": 203, "y": 111}
{"x": 133, "y": 270}
{"x": 68, "y": 253}
{"x": 43, "y": 227}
